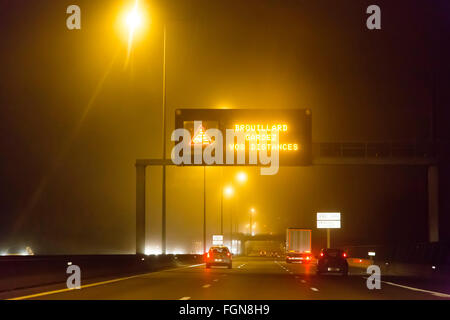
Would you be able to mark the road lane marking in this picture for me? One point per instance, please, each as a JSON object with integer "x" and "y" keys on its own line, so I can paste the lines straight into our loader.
{"x": 98, "y": 283}
{"x": 314, "y": 289}
{"x": 302, "y": 281}
{"x": 206, "y": 286}
{"x": 185, "y": 298}
{"x": 215, "y": 280}
{"x": 434, "y": 293}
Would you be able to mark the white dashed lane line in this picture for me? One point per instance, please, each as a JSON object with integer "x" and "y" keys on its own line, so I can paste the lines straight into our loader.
{"x": 314, "y": 289}
{"x": 185, "y": 298}
{"x": 206, "y": 286}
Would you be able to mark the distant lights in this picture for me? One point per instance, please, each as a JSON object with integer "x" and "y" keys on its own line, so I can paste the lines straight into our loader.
{"x": 152, "y": 251}
{"x": 228, "y": 190}
{"x": 241, "y": 177}
{"x": 433, "y": 267}
{"x": 177, "y": 251}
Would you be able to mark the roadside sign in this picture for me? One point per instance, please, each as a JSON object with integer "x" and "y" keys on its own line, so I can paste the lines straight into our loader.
{"x": 328, "y": 220}
{"x": 329, "y": 216}
{"x": 217, "y": 240}
{"x": 324, "y": 224}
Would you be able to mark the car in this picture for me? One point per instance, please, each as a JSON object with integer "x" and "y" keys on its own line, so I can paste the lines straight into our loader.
{"x": 332, "y": 261}
{"x": 298, "y": 257}
{"x": 218, "y": 256}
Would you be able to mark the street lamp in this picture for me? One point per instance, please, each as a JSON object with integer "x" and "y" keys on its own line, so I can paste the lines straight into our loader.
{"x": 228, "y": 191}
{"x": 252, "y": 212}
{"x": 241, "y": 177}
{"x": 134, "y": 20}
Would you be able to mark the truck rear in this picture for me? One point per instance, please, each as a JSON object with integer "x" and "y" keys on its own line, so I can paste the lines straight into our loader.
{"x": 298, "y": 245}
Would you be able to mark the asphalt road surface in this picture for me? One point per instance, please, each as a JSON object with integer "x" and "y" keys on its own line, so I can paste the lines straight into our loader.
{"x": 250, "y": 278}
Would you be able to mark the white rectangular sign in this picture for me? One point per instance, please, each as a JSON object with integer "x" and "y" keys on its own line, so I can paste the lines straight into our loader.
{"x": 217, "y": 240}
{"x": 326, "y": 216}
{"x": 321, "y": 224}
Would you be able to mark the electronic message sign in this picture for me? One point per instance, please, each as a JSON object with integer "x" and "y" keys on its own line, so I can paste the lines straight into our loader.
{"x": 287, "y": 132}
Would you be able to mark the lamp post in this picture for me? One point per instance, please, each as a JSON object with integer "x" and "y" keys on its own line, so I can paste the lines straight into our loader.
{"x": 134, "y": 20}
{"x": 228, "y": 191}
{"x": 163, "y": 213}
{"x": 252, "y": 211}
{"x": 204, "y": 209}
{"x": 241, "y": 178}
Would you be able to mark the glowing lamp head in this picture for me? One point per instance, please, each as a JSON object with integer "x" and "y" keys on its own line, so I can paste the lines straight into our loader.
{"x": 241, "y": 177}
{"x": 133, "y": 19}
{"x": 228, "y": 191}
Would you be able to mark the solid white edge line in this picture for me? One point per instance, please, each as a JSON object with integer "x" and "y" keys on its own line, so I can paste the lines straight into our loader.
{"x": 434, "y": 293}
{"x": 98, "y": 283}
{"x": 185, "y": 298}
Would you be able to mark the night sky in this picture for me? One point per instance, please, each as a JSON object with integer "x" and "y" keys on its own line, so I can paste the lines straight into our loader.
{"x": 74, "y": 118}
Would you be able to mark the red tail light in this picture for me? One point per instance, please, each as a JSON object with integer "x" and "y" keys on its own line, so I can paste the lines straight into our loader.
{"x": 207, "y": 255}
{"x": 228, "y": 254}
{"x": 308, "y": 257}
{"x": 344, "y": 255}
{"x": 321, "y": 254}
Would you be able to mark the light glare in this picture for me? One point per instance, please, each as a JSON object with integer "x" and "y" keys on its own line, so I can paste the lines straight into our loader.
{"x": 241, "y": 177}
{"x": 229, "y": 191}
{"x": 133, "y": 19}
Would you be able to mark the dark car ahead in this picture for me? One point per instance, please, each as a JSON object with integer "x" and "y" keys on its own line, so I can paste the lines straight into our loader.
{"x": 332, "y": 261}
{"x": 218, "y": 256}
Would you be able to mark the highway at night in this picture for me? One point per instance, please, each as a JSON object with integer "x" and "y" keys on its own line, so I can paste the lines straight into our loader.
{"x": 250, "y": 279}
{"x": 282, "y": 156}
